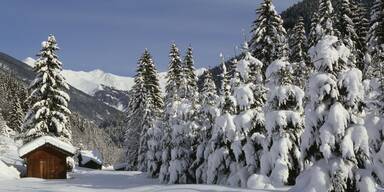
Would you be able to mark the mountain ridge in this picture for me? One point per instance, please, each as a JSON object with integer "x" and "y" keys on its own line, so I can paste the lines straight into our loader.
{"x": 80, "y": 102}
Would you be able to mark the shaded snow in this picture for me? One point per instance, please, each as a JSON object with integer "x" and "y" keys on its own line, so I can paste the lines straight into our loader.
{"x": 84, "y": 180}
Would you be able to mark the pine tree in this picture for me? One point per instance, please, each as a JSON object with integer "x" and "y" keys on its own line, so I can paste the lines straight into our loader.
{"x": 227, "y": 104}
{"x": 219, "y": 159}
{"x": 361, "y": 26}
{"x": 333, "y": 117}
{"x": 149, "y": 158}
{"x": 172, "y": 98}
{"x": 375, "y": 75}
{"x": 314, "y": 30}
{"x": 298, "y": 54}
{"x": 299, "y": 42}
{"x": 48, "y": 112}
{"x": 4, "y": 129}
{"x": 326, "y": 18}
{"x": 136, "y": 111}
{"x": 184, "y": 125}
{"x": 268, "y": 41}
{"x": 144, "y": 108}
{"x": 376, "y": 41}
{"x": 189, "y": 75}
{"x": 16, "y": 115}
{"x": 284, "y": 122}
{"x": 152, "y": 108}
{"x": 151, "y": 83}
{"x": 346, "y": 26}
{"x": 206, "y": 115}
{"x": 248, "y": 93}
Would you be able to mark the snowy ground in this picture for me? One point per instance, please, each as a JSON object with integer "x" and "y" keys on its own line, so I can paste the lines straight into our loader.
{"x": 106, "y": 180}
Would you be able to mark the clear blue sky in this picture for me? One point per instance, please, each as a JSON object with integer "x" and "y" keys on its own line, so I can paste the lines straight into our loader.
{"x": 111, "y": 34}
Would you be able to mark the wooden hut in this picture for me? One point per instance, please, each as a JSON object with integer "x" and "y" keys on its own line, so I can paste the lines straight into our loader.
{"x": 90, "y": 159}
{"x": 46, "y": 157}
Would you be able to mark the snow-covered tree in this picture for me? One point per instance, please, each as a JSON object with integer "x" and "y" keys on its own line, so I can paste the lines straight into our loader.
{"x": 298, "y": 54}
{"x": 219, "y": 159}
{"x": 281, "y": 159}
{"x": 190, "y": 90}
{"x": 4, "y": 129}
{"x": 248, "y": 93}
{"x": 154, "y": 152}
{"x": 48, "y": 112}
{"x": 268, "y": 41}
{"x": 376, "y": 41}
{"x": 144, "y": 107}
{"x": 136, "y": 114}
{"x": 16, "y": 115}
{"x": 183, "y": 127}
{"x": 326, "y": 18}
{"x": 375, "y": 76}
{"x": 153, "y": 105}
{"x": 176, "y": 140}
{"x": 313, "y": 36}
{"x": 345, "y": 24}
{"x": 335, "y": 140}
{"x": 206, "y": 117}
{"x": 361, "y": 22}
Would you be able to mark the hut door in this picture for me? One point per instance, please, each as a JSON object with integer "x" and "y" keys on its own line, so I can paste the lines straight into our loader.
{"x": 43, "y": 169}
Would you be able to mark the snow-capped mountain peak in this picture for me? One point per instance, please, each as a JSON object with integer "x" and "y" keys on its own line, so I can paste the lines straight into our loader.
{"x": 106, "y": 87}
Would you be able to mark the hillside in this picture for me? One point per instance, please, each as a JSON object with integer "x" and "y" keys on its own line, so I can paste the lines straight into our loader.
{"x": 305, "y": 8}
{"x": 80, "y": 102}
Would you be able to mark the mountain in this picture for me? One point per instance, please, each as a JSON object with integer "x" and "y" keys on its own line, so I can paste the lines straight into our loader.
{"x": 113, "y": 90}
{"x": 82, "y": 103}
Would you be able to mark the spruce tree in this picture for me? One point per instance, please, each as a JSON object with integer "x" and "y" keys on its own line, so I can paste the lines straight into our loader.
{"x": 4, "y": 129}
{"x": 219, "y": 160}
{"x": 145, "y": 106}
{"x": 207, "y": 114}
{"x": 268, "y": 41}
{"x": 361, "y": 26}
{"x": 346, "y": 26}
{"x": 135, "y": 116}
{"x": 281, "y": 159}
{"x": 172, "y": 98}
{"x": 336, "y": 160}
{"x": 326, "y": 18}
{"x": 248, "y": 93}
{"x": 189, "y": 75}
{"x": 184, "y": 126}
{"x": 48, "y": 112}
{"x": 16, "y": 115}
{"x": 375, "y": 75}
{"x": 298, "y": 55}
{"x": 151, "y": 83}
{"x": 149, "y": 158}
{"x": 314, "y": 30}
{"x": 376, "y": 41}
{"x": 152, "y": 108}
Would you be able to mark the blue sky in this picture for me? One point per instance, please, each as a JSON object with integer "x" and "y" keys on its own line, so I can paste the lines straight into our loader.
{"x": 111, "y": 34}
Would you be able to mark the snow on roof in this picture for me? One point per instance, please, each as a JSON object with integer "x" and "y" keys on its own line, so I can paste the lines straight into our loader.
{"x": 120, "y": 165}
{"x": 29, "y": 147}
{"x": 87, "y": 155}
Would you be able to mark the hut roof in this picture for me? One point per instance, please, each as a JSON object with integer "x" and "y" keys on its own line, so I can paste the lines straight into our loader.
{"x": 91, "y": 155}
{"x": 41, "y": 141}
